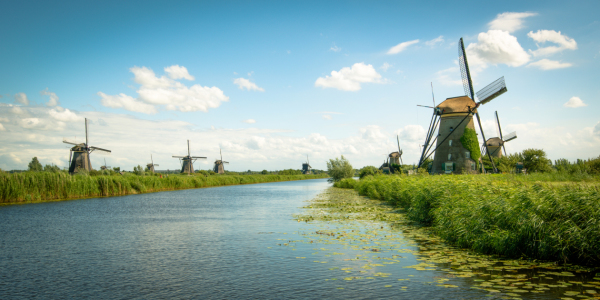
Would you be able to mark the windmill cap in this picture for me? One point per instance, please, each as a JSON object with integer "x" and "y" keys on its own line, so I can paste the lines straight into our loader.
{"x": 395, "y": 154}
{"x": 461, "y": 104}
{"x": 494, "y": 142}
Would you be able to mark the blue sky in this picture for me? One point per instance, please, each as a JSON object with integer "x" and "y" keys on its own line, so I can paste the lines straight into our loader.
{"x": 270, "y": 82}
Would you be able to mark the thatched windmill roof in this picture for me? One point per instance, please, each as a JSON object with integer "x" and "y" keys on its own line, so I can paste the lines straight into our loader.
{"x": 461, "y": 104}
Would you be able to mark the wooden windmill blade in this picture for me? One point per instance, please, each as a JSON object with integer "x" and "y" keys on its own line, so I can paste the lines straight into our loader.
{"x": 225, "y": 162}
{"x": 492, "y": 90}
{"x": 511, "y": 136}
{"x": 100, "y": 149}
{"x": 179, "y": 156}
{"x": 196, "y": 157}
{"x": 399, "y": 150}
{"x": 72, "y": 143}
{"x": 500, "y": 131}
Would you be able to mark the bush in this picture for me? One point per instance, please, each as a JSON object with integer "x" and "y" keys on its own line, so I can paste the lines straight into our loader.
{"x": 535, "y": 160}
{"x": 34, "y": 165}
{"x": 339, "y": 169}
{"x": 368, "y": 171}
{"x": 51, "y": 168}
{"x": 264, "y": 172}
{"x": 138, "y": 170}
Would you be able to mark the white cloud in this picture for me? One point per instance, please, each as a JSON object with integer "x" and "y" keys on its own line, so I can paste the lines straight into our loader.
{"x": 156, "y": 91}
{"x": 65, "y": 115}
{"x": 17, "y": 110}
{"x": 401, "y": 47}
{"x": 546, "y": 64}
{"x": 21, "y": 98}
{"x": 53, "y": 98}
{"x": 247, "y": 84}
{"x": 439, "y": 39}
{"x": 2, "y": 127}
{"x": 178, "y": 72}
{"x": 327, "y": 117}
{"x": 249, "y": 121}
{"x": 496, "y": 47}
{"x": 542, "y": 36}
{"x": 510, "y": 21}
{"x": 127, "y": 102}
{"x": 349, "y": 79}
{"x": 449, "y": 77}
{"x": 385, "y": 66}
{"x": 574, "y": 102}
{"x": 596, "y": 130}
{"x": 335, "y": 48}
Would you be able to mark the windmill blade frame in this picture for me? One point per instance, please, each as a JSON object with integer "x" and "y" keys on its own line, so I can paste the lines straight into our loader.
{"x": 196, "y": 157}
{"x": 100, "y": 149}
{"x": 511, "y": 136}
{"x": 72, "y": 143}
{"x": 492, "y": 90}
{"x": 179, "y": 156}
{"x": 500, "y": 131}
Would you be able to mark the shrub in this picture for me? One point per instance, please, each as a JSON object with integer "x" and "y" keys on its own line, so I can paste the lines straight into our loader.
{"x": 368, "y": 171}
{"x": 34, "y": 165}
{"x": 535, "y": 160}
{"x": 339, "y": 169}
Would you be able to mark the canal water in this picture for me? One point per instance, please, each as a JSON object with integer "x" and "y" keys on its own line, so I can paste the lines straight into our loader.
{"x": 233, "y": 242}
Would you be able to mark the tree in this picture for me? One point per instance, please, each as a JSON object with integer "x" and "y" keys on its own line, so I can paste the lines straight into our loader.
{"x": 51, "y": 168}
{"x": 138, "y": 170}
{"x": 535, "y": 160}
{"x": 35, "y": 165}
{"x": 117, "y": 169}
{"x": 264, "y": 172}
{"x": 339, "y": 169}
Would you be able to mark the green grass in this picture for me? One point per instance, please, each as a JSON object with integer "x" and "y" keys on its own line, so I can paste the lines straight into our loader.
{"x": 46, "y": 186}
{"x": 539, "y": 216}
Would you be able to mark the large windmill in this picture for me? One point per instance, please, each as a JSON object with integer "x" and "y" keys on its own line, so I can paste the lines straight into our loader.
{"x": 187, "y": 162}
{"x": 306, "y": 167}
{"x": 494, "y": 144}
{"x": 219, "y": 168}
{"x": 151, "y": 165}
{"x": 454, "y": 116}
{"x": 79, "y": 155}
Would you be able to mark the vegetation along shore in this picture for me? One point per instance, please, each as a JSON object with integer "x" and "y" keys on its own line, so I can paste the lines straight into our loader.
{"x": 47, "y": 186}
{"x": 548, "y": 216}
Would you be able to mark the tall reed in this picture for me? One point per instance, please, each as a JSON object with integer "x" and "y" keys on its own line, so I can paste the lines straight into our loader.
{"x": 538, "y": 217}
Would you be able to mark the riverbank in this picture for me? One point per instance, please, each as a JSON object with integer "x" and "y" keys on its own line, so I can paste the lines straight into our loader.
{"x": 47, "y": 186}
{"x": 547, "y": 218}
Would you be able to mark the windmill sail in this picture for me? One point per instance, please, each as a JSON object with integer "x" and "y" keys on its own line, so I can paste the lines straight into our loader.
{"x": 511, "y": 136}
{"x": 492, "y": 90}
{"x": 464, "y": 70}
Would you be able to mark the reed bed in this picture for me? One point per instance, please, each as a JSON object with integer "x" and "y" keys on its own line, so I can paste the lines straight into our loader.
{"x": 533, "y": 216}
{"x": 45, "y": 186}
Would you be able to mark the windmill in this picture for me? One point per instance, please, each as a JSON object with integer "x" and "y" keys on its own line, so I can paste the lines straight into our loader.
{"x": 494, "y": 144}
{"x": 219, "y": 168}
{"x": 151, "y": 165}
{"x": 306, "y": 167}
{"x": 394, "y": 158}
{"x": 454, "y": 116}
{"x": 79, "y": 155}
{"x": 105, "y": 167}
{"x": 187, "y": 162}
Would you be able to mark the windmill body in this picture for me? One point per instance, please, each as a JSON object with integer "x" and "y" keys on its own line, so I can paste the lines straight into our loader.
{"x": 455, "y": 114}
{"x": 495, "y": 145}
{"x": 79, "y": 156}
{"x": 306, "y": 168}
{"x": 151, "y": 165}
{"x": 219, "y": 167}
{"x": 187, "y": 162}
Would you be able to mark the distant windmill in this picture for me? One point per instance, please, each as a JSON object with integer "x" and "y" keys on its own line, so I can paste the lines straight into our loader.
{"x": 79, "y": 156}
{"x": 151, "y": 165}
{"x": 105, "y": 167}
{"x": 453, "y": 116}
{"x": 187, "y": 162}
{"x": 306, "y": 167}
{"x": 494, "y": 144}
{"x": 219, "y": 168}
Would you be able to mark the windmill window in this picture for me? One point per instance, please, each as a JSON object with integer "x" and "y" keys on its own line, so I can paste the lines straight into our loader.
{"x": 449, "y": 156}
{"x": 473, "y": 166}
{"x": 450, "y": 142}
{"x": 468, "y": 154}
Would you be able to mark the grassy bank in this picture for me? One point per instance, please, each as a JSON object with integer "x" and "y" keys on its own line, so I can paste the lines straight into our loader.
{"x": 44, "y": 186}
{"x": 549, "y": 217}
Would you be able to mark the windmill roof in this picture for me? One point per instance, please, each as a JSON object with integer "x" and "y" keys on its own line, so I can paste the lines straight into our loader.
{"x": 457, "y": 105}
{"x": 494, "y": 142}
{"x": 395, "y": 154}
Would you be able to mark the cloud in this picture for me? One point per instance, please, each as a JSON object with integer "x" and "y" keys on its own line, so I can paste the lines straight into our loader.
{"x": 335, "y": 48}
{"x": 449, "y": 77}
{"x": 21, "y": 98}
{"x": 385, "y": 66}
{"x": 496, "y": 47}
{"x": 349, "y": 79}
{"x": 401, "y": 47}
{"x": 574, "y": 102}
{"x": 127, "y": 102}
{"x": 542, "y": 36}
{"x": 546, "y": 64}
{"x": 2, "y": 127}
{"x": 53, "y": 98}
{"x": 65, "y": 115}
{"x": 597, "y": 130}
{"x": 439, "y": 39}
{"x": 326, "y": 117}
{"x": 178, "y": 72}
{"x": 509, "y": 21}
{"x": 247, "y": 84}
{"x": 166, "y": 92}
{"x": 249, "y": 121}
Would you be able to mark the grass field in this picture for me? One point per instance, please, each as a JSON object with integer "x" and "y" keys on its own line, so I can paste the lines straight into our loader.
{"x": 45, "y": 186}
{"x": 538, "y": 216}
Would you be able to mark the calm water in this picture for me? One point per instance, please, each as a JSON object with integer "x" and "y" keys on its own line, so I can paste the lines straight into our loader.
{"x": 224, "y": 243}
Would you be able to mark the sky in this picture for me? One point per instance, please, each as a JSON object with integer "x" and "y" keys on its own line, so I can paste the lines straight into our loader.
{"x": 271, "y": 82}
